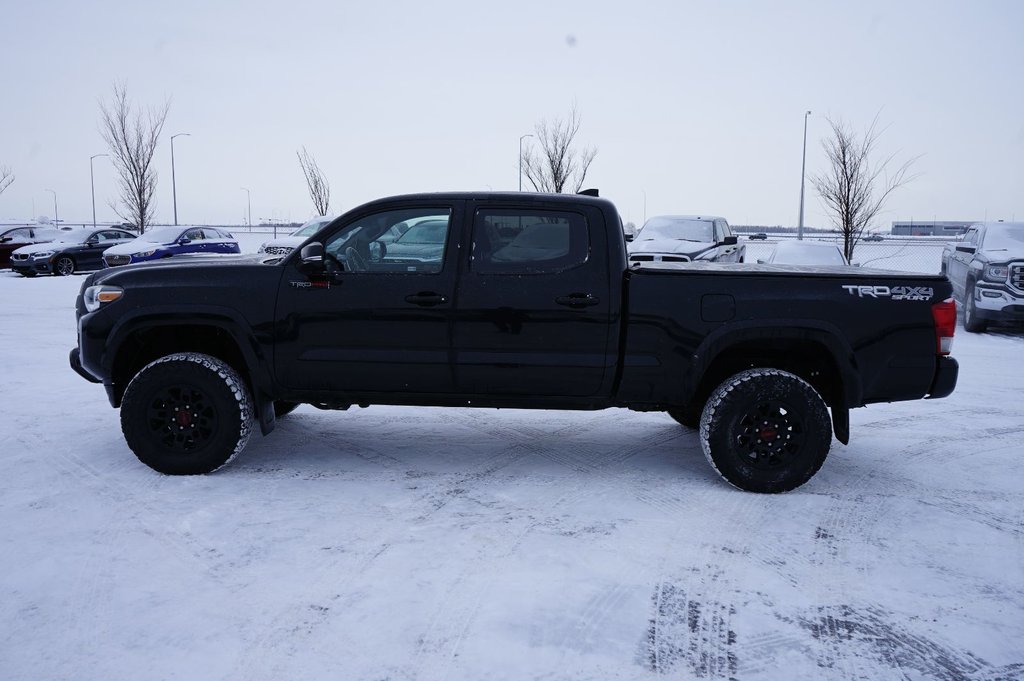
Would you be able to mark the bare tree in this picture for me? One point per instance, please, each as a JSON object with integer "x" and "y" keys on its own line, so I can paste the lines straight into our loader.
{"x": 558, "y": 164}
{"x": 6, "y": 178}
{"x": 316, "y": 181}
{"x": 854, "y": 188}
{"x": 132, "y": 136}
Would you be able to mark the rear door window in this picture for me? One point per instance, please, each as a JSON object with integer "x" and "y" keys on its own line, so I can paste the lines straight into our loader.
{"x": 522, "y": 241}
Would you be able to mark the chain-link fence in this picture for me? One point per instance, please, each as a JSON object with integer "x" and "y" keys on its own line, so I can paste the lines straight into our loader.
{"x": 903, "y": 254}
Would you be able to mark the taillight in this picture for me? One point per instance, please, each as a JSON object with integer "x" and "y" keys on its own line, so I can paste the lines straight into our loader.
{"x": 944, "y": 315}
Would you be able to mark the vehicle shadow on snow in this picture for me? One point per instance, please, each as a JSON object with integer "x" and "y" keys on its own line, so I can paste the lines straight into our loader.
{"x": 427, "y": 441}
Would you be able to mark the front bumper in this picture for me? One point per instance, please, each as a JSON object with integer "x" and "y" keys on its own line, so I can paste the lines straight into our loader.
{"x": 32, "y": 267}
{"x": 76, "y": 364}
{"x": 998, "y": 302}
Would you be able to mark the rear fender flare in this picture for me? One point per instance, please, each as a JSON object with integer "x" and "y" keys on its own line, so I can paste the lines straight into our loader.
{"x": 822, "y": 333}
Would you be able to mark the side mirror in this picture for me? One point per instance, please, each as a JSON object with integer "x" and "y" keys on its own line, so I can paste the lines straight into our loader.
{"x": 730, "y": 240}
{"x": 311, "y": 258}
{"x": 966, "y": 249}
{"x": 762, "y": 261}
{"x": 629, "y": 237}
{"x": 184, "y": 240}
{"x": 5, "y": 239}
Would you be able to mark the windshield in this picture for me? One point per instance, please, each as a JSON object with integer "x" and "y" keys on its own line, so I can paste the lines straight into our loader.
{"x": 431, "y": 232}
{"x": 164, "y": 235}
{"x": 677, "y": 228}
{"x": 311, "y": 227}
{"x": 807, "y": 253}
{"x": 1005, "y": 237}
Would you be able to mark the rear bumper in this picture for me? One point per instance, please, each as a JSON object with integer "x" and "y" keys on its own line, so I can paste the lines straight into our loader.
{"x": 946, "y": 372}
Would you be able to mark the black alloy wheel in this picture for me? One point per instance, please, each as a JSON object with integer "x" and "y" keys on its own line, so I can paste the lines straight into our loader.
{"x": 64, "y": 266}
{"x": 766, "y": 430}
{"x": 186, "y": 414}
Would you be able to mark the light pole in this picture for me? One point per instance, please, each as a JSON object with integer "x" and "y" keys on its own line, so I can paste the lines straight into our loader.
{"x": 92, "y": 185}
{"x": 803, "y": 168}
{"x": 174, "y": 187}
{"x": 249, "y": 204}
{"x": 521, "y": 160}
{"x": 56, "y": 222}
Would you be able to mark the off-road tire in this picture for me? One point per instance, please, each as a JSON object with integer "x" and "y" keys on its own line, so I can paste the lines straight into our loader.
{"x": 64, "y": 266}
{"x": 971, "y": 321}
{"x": 765, "y": 430}
{"x": 186, "y": 414}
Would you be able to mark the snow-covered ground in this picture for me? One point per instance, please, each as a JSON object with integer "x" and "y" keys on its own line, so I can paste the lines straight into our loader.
{"x": 415, "y": 543}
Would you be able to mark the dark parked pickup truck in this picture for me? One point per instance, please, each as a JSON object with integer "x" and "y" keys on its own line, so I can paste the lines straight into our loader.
{"x": 527, "y": 302}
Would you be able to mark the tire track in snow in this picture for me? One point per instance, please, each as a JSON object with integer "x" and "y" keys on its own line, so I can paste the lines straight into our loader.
{"x": 296, "y": 621}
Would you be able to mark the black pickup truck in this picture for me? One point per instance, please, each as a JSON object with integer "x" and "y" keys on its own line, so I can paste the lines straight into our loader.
{"x": 508, "y": 300}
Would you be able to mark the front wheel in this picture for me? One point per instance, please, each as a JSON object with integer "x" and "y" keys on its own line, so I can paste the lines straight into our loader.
{"x": 765, "y": 430}
{"x": 64, "y": 266}
{"x": 186, "y": 414}
{"x": 971, "y": 321}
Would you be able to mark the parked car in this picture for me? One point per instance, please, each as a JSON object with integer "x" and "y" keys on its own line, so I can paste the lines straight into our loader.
{"x": 986, "y": 268}
{"x": 283, "y": 245}
{"x": 682, "y": 238}
{"x": 873, "y": 237}
{"x": 805, "y": 253}
{"x": 73, "y": 251}
{"x": 422, "y": 242}
{"x": 759, "y": 236}
{"x": 165, "y": 242}
{"x": 16, "y": 237}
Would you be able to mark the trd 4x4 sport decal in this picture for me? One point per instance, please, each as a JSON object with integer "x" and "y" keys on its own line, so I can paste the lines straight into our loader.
{"x": 893, "y": 292}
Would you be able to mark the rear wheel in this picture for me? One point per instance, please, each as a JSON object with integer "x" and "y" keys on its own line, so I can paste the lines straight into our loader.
{"x": 186, "y": 414}
{"x": 765, "y": 430}
{"x": 64, "y": 266}
{"x": 971, "y": 321}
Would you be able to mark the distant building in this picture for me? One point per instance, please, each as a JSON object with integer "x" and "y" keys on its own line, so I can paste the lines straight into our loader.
{"x": 931, "y": 227}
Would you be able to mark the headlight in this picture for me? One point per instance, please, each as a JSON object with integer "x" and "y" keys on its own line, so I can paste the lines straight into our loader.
{"x": 43, "y": 254}
{"x": 996, "y": 272}
{"x": 95, "y": 296}
{"x": 144, "y": 254}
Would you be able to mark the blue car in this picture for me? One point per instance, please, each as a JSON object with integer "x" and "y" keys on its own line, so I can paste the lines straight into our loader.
{"x": 164, "y": 242}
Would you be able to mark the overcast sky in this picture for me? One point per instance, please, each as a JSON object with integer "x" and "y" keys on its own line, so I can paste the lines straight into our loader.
{"x": 697, "y": 105}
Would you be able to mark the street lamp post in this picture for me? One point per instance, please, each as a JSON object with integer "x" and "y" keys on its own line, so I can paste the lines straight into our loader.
{"x": 174, "y": 186}
{"x": 92, "y": 186}
{"x": 803, "y": 168}
{"x": 56, "y": 222}
{"x": 249, "y": 205}
{"x": 521, "y": 138}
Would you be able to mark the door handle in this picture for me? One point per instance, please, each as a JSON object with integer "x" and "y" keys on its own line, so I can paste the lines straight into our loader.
{"x": 577, "y": 300}
{"x": 426, "y": 299}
